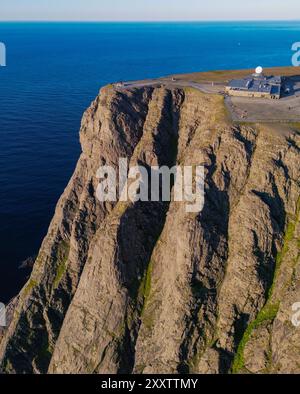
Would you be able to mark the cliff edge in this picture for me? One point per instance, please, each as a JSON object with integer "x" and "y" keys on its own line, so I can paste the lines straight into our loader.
{"x": 147, "y": 287}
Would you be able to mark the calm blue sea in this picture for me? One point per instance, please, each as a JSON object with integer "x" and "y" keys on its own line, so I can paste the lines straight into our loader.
{"x": 53, "y": 72}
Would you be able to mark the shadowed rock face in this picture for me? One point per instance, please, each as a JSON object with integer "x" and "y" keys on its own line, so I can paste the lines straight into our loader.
{"x": 147, "y": 287}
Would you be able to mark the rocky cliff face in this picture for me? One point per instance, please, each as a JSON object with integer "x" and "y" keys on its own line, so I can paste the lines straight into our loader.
{"x": 147, "y": 287}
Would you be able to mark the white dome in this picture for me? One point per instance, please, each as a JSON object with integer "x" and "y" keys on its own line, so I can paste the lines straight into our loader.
{"x": 259, "y": 70}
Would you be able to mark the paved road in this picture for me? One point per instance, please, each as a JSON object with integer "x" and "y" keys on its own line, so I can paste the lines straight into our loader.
{"x": 203, "y": 87}
{"x": 286, "y": 109}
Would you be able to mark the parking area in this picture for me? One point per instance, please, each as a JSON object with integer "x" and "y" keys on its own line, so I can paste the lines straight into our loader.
{"x": 287, "y": 109}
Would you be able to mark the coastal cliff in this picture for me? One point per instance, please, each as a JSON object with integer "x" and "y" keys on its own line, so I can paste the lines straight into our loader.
{"x": 147, "y": 287}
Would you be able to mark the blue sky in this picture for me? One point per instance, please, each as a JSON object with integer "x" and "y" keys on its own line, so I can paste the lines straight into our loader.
{"x": 148, "y": 9}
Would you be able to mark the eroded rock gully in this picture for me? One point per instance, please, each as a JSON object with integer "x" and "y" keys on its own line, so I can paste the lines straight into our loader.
{"x": 147, "y": 287}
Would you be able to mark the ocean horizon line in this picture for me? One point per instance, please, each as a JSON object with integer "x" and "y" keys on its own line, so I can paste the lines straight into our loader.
{"x": 148, "y": 21}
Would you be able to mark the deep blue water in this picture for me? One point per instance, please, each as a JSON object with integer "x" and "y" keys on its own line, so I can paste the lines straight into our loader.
{"x": 53, "y": 72}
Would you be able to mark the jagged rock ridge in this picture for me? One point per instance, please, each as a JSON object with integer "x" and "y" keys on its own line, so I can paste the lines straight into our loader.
{"x": 147, "y": 287}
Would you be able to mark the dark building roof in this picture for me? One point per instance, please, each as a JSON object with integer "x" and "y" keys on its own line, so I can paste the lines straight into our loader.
{"x": 275, "y": 90}
{"x": 257, "y": 83}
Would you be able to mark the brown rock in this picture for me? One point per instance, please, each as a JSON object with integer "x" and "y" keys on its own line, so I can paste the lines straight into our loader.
{"x": 147, "y": 287}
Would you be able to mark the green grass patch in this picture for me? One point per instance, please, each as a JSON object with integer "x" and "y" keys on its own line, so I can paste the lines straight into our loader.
{"x": 191, "y": 89}
{"x": 29, "y": 286}
{"x": 145, "y": 287}
{"x": 280, "y": 255}
{"x": 62, "y": 257}
{"x": 288, "y": 237}
{"x": 59, "y": 274}
{"x": 226, "y": 75}
{"x": 144, "y": 292}
{"x": 268, "y": 313}
{"x": 296, "y": 125}
{"x": 270, "y": 310}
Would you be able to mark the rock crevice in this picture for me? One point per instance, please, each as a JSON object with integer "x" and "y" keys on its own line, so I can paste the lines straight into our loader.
{"x": 122, "y": 287}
